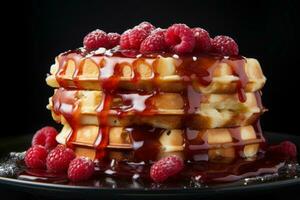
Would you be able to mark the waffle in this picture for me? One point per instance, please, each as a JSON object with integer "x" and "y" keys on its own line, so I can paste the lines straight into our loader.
{"x": 161, "y": 110}
{"x": 88, "y": 72}
{"x": 134, "y": 143}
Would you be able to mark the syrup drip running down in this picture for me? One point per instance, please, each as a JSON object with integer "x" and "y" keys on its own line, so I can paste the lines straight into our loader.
{"x": 63, "y": 64}
{"x": 204, "y": 67}
{"x": 65, "y": 103}
{"x": 145, "y": 142}
{"x": 258, "y": 95}
{"x": 197, "y": 147}
{"x": 258, "y": 130}
{"x": 238, "y": 67}
{"x": 192, "y": 102}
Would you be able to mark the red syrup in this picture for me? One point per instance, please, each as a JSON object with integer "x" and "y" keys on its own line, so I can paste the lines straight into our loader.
{"x": 135, "y": 103}
{"x": 238, "y": 67}
{"x": 146, "y": 146}
{"x": 203, "y": 67}
{"x": 145, "y": 143}
{"x": 65, "y": 102}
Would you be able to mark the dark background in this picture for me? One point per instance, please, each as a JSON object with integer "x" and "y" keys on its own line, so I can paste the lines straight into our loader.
{"x": 36, "y": 31}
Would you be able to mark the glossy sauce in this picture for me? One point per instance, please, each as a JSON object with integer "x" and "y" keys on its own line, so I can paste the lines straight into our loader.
{"x": 201, "y": 173}
{"x": 66, "y": 104}
{"x": 139, "y": 103}
{"x": 145, "y": 143}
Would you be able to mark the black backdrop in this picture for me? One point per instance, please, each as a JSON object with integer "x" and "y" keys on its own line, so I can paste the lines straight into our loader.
{"x": 37, "y": 31}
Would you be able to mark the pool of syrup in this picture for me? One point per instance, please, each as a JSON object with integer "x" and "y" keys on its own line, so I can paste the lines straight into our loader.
{"x": 266, "y": 167}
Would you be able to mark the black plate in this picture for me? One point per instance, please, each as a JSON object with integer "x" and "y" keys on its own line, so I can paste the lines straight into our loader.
{"x": 35, "y": 189}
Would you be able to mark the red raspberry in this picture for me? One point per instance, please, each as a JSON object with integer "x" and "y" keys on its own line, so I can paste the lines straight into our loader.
{"x": 132, "y": 39}
{"x": 96, "y": 39}
{"x": 180, "y": 38}
{"x": 202, "y": 38}
{"x": 147, "y": 26}
{"x": 225, "y": 45}
{"x": 166, "y": 167}
{"x": 113, "y": 39}
{"x": 153, "y": 43}
{"x": 287, "y": 148}
{"x": 81, "y": 169}
{"x": 45, "y": 137}
{"x": 58, "y": 159}
{"x": 35, "y": 157}
{"x": 159, "y": 31}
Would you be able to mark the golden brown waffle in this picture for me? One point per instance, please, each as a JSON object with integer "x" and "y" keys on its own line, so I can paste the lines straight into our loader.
{"x": 167, "y": 109}
{"x": 146, "y": 108}
{"x": 125, "y": 143}
{"x": 89, "y": 72}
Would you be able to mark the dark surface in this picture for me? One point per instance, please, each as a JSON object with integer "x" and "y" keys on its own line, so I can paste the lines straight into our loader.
{"x": 36, "y": 31}
{"x": 17, "y": 189}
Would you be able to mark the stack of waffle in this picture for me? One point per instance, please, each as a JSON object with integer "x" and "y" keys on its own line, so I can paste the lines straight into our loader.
{"x": 145, "y": 108}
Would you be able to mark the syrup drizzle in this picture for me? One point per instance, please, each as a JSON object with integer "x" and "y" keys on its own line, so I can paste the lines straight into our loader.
{"x": 238, "y": 67}
{"x": 203, "y": 68}
{"x": 63, "y": 60}
{"x": 192, "y": 102}
{"x": 197, "y": 140}
{"x": 65, "y": 102}
{"x": 140, "y": 103}
{"x": 145, "y": 143}
{"x": 137, "y": 103}
{"x": 258, "y": 95}
{"x": 258, "y": 130}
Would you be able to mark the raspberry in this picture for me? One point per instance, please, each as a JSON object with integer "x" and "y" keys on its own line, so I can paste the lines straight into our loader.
{"x": 96, "y": 39}
{"x": 35, "y": 157}
{"x": 147, "y": 26}
{"x": 202, "y": 38}
{"x": 132, "y": 39}
{"x": 113, "y": 39}
{"x": 59, "y": 158}
{"x": 45, "y": 137}
{"x": 225, "y": 45}
{"x": 153, "y": 43}
{"x": 287, "y": 148}
{"x": 159, "y": 31}
{"x": 166, "y": 167}
{"x": 80, "y": 169}
{"x": 180, "y": 38}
